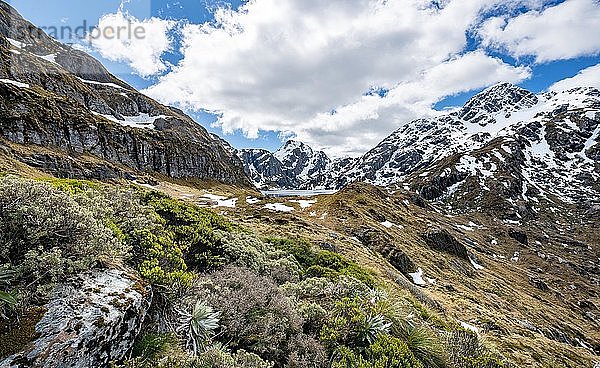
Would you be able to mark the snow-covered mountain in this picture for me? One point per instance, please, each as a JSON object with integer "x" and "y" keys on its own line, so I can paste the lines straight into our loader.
{"x": 423, "y": 141}
{"x": 506, "y": 142}
{"x": 294, "y": 166}
{"x": 546, "y": 144}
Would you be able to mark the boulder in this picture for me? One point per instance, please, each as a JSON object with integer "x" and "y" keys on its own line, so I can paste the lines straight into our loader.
{"x": 90, "y": 321}
{"x": 519, "y": 236}
{"x": 382, "y": 243}
{"x": 538, "y": 283}
{"x": 443, "y": 241}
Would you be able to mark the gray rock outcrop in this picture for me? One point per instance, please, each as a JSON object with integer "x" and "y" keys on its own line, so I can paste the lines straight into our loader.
{"x": 91, "y": 320}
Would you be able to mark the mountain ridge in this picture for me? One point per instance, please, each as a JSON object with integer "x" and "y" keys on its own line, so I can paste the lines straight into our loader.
{"x": 554, "y": 136}
{"x": 82, "y": 109}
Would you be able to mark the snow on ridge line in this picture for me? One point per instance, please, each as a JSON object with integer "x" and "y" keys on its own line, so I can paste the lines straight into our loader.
{"x": 15, "y": 83}
{"x": 100, "y": 83}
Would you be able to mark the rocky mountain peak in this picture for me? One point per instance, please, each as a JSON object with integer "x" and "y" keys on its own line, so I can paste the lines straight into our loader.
{"x": 500, "y": 98}
{"x": 293, "y": 148}
{"x": 295, "y": 165}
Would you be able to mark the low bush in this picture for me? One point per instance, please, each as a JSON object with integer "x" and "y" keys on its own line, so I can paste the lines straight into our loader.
{"x": 321, "y": 263}
{"x": 192, "y": 230}
{"x": 354, "y": 322}
{"x": 465, "y": 350}
{"x": 46, "y": 235}
{"x": 245, "y": 250}
{"x": 389, "y": 351}
{"x": 217, "y": 357}
{"x": 386, "y": 352}
{"x": 423, "y": 343}
{"x": 306, "y": 352}
{"x": 255, "y": 315}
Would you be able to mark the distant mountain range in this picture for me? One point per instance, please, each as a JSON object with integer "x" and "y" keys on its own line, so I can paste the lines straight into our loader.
{"x": 521, "y": 144}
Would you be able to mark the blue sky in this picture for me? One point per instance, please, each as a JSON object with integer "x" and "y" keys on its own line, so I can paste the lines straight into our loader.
{"x": 266, "y": 95}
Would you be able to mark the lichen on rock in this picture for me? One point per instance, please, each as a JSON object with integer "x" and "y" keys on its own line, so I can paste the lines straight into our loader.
{"x": 91, "y": 320}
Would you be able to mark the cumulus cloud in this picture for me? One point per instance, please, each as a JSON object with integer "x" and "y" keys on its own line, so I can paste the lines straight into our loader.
{"x": 303, "y": 67}
{"x": 139, "y": 43}
{"x": 563, "y": 31}
{"x": 589, "y": 77}
{"x": 370, "y": 117}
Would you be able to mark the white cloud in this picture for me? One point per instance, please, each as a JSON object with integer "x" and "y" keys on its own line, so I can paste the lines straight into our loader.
{"x": 366, "y": 119}
{"x": 139, "y": 43}
{"x": 589, "y": 77}
{"x": 564, "y": 31}
{"x": 284, "y": 65}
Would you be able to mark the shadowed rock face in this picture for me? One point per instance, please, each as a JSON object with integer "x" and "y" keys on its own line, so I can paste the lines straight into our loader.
{"x": 91, "y": 320}
{"x": 443, "y": 241}
{"x": 62, "y": 99}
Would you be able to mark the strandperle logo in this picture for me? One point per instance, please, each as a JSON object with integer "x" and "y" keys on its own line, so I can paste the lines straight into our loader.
{"x": 77, "y": 31}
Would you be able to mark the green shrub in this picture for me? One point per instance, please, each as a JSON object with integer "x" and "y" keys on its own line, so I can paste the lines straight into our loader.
{"x": 354, "y": 322}
{"x": 160, "y": 259}
{"x": 300, "y": 249}
{"x": 71, "y": 186}
{"x": 218, "y": 357}
{"x": 151, "y": 347}
{"x": 193, "y": 231}
{"x": 313, "y": 315}
{"x": 320, "y": 271}
{"x": 386, "y": 352}
{"x": 244, "y": 359}
{"x": 465, "y": 350}
{"x": 485, "y": 360}
{"x": 326, "y": 292}
{"x": 321, "y": 263}
{"x": 6, "y": 276}
{"x": 246, "y": 250}
{"x": 390, "y": 352}
{"x": 306, "y": 352}
{"x": 343, "y": 357}
{"x": 424, "y": 345}
{"x": 46, "y": 235}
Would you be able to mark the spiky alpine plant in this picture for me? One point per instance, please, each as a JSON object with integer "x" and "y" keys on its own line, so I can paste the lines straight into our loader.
{"x": 6, "y": 276}
{"x": 198, "y": 327}
{"x": 373, "y": 327}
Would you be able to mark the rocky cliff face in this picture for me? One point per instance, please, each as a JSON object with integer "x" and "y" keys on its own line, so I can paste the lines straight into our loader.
{"x": 265, "y": 169}
{"x": 64, "y": 106}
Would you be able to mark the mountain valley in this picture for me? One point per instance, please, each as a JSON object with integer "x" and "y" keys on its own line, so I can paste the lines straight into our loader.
{"x": 131, "y": 237}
